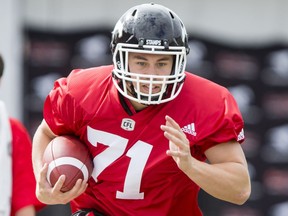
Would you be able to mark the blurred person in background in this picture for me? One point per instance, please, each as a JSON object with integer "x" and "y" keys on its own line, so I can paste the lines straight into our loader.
{"x": 17, "y": 182}
{"x": 150, "y": 126}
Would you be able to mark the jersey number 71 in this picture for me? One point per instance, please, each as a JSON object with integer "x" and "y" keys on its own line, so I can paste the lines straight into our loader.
{"x": 139, "y": 154}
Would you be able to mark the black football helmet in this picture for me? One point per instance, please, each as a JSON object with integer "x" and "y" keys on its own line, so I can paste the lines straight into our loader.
{"x": 153, "y": 29}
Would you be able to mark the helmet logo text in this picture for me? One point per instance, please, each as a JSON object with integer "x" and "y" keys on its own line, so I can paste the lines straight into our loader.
{"x": 153, "y": 42}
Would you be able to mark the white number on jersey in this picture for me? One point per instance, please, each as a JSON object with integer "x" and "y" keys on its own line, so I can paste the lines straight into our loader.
{"x": 139, "y": 154}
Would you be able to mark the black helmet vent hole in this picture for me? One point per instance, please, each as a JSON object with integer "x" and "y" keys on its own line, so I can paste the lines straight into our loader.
{"x": 171, "y": 15}
{"x": 134, "y": 12}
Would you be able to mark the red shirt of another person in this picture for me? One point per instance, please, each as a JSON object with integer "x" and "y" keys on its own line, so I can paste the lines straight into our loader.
{"x": 24, "y": 184}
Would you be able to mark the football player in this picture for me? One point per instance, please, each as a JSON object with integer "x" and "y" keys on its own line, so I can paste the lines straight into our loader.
{"x": 157, "y": 133}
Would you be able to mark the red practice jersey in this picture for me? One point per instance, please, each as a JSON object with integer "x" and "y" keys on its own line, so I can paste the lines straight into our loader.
{"x": 24, "y": 184}
{"x": 132, "y": 174}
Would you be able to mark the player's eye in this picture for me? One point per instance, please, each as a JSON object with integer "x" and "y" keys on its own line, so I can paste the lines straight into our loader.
{"x": 162, "y": 64}
{"x": 141, "y": 63}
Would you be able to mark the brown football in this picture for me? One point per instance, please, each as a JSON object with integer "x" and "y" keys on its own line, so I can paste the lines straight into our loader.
{"x": 69, "y": 156}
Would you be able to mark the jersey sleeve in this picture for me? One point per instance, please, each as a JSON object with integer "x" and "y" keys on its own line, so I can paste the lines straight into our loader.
{"x": 74, "y": 99}
{"x": 24, "y": 184}
{"x": 226, "y": 124}
{"x": 60, "y": 109}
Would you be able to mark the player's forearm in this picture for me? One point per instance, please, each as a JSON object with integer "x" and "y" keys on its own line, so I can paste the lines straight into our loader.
{"x": 40, "y": 141}
{"x": 37, "y": 152}
{"x": 26, "y": 211}
{"x": 226, "y": 181}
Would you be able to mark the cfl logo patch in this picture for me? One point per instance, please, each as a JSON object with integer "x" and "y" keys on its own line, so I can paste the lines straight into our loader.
{"x": 128, "y": 124}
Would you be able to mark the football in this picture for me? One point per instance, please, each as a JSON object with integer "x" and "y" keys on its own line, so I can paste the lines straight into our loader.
{"x": 67, "y": 155}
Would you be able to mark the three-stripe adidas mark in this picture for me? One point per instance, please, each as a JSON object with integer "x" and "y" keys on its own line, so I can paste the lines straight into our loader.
{"x": 190, "y": 129}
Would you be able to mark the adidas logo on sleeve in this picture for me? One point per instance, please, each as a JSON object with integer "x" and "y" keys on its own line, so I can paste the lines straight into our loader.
{"x": 241, "y": 135}
{"x": 190, "y": 129}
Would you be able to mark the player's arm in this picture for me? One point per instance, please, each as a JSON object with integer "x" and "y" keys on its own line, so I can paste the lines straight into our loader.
{"x": 228, "y": 172}
{"x": 226, "y": 175}
{"x": 27, "y": 210}
{"x": 41, "y": 139}
{"x": 44, "y": 192}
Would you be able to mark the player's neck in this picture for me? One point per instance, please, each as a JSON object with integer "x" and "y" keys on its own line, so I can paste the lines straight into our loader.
{"x": 131, "y": 107}
{"x": 138, "y": 106}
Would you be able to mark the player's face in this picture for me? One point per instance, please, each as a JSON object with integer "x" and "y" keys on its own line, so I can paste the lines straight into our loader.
{"x": 150, "y": 64}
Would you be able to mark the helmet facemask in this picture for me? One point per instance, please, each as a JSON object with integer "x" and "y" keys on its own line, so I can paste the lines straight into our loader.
{"x": 129, "y": 83}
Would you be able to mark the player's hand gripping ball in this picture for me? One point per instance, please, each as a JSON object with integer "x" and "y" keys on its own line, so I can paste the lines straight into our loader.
{"x": 67, "y": 155}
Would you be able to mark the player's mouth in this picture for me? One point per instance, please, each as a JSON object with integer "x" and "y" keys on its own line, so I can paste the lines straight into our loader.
{"x": 146, "y": 88}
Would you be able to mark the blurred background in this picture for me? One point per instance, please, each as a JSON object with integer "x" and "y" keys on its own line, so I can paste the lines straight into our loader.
{"x": 242, "y": 45}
